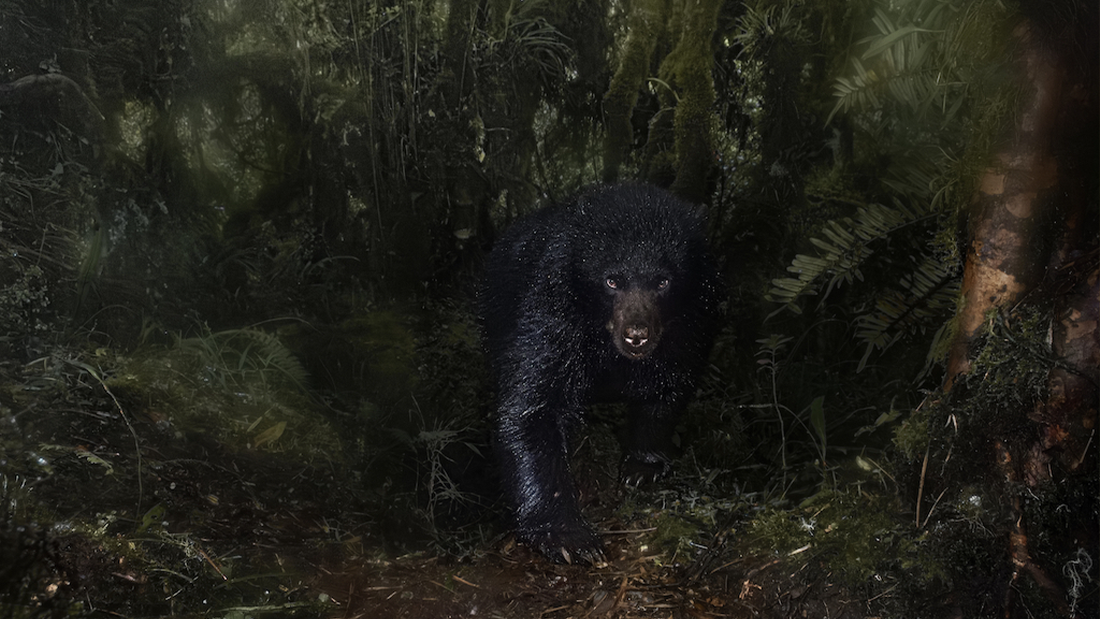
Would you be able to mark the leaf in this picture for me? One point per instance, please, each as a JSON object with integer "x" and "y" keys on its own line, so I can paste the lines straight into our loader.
{"x": 152, "y": 518}
{"x": 847, "y": 247}
{"x": 91, "y": 458}
{"x": 269, "y": 435}
{"x": 920, "y": 299}
{"x": 889, "y": 40}
{"x": 817, "y": 419}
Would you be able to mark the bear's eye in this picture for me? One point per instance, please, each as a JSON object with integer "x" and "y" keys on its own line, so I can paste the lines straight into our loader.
{"x": 663, "y": 283}
{"x": 612, "y": 283}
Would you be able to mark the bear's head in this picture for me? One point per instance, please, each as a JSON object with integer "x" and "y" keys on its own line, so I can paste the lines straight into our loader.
{"x": 636, "y": 301}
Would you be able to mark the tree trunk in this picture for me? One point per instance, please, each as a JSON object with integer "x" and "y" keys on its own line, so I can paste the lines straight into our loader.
{"x": 622, "y": 94}
{"x": 1004, "y": 261}
{"x": 694, "y": 122}
{"x": 1037, "y": 182}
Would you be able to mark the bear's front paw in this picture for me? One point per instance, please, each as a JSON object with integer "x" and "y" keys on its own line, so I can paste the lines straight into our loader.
{"x": 565, "y": 544}
{"x": 645, "y": 469}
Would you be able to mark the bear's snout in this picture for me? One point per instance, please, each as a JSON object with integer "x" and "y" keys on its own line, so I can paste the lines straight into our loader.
{"x": 636, "y": 335}
{"x": 635, "y": 323}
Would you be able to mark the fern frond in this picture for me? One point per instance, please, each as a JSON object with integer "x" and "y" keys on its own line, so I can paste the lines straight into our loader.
{"x": 923, "y": 296}
{"x": 840, "y": 254}
{"x": 905, "y": 57}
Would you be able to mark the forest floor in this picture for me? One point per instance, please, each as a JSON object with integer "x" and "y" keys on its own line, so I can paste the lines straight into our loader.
{"x": 110, "y": 509}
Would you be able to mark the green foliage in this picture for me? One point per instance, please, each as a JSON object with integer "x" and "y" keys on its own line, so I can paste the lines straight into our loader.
{"x": 847, "y": 244}
{"x": 532, "y": 42}
{"x": 817, "y": 420}
{"x": 854, "y": 534}
{"x": 924, "y": 56}
{"x": 924, "y": 295}
{"x": 715, "y": 422}
{"x": 452, "y": 428}
{"x": 325, "y": 160}
{"x": 24, "y": 548}
{"x": 777, "y": 531}
{"x": 646, "y": 22}
{"x": 384, "y": 341}
{"x": 911, "y": 436}
{"x": 688, "y": 68}
{"x": 1013, "y": 358}
{"x": 910, "y": 101}
{"x": 235, "y": 358}
{"x": 907, "y": 58}
{"x": 761, "y": 24}
{"x": 441, "y": 488}
{"x": 243, "y": 386}
{"x": 977, "y": 458}
{"x": 673, "y": 534}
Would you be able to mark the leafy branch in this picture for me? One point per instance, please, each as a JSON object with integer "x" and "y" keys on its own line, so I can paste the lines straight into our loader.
{"x": 845, "y": 246}
{"x": 931, "y": 288}
{"x": 907, "y": 63}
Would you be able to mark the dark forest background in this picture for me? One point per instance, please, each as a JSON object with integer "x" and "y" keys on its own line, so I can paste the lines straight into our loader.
{"x": 241, "y": 241}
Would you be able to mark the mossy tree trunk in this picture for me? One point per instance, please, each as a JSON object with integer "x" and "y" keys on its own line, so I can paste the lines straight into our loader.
{"x": 1003, "y": 260}
{"x": 684, "y": 158}
{"x": 1036, "y": 185}
{"x": 646, "y": 23}
{"x": 1037, "y": 180}
{"x": 690, "y": 66}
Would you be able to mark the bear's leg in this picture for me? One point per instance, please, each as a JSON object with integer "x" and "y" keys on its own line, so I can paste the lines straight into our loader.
{"x": 648, "y": 443}
{"x": 534, "y": 458}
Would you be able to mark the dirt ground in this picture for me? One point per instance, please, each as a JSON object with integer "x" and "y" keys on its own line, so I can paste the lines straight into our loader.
{"x": 111, "y": 510}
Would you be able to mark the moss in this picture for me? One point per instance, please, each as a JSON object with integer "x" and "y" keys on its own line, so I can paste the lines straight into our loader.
{"x": 24, "y": 302}
{"x": 856, "y": 533}
{"x": 1011, "y": 365}
{"x": 241, "y": 386}
{"x": 971, "y": 499}
{"x": 779, "y": 531}
{"x": 852, "y": 534}
{"x": 911, "y": 436}
{"x": 673, "y": 534}
{"x": 688, "y": 67}
{"x": 622, "y": 93}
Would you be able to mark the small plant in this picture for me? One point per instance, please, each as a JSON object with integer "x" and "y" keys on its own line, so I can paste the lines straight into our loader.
{"x": 235, "y": 357}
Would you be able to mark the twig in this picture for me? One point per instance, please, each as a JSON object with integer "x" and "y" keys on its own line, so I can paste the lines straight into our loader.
{"x": 933, "y": 508}
{"x": 920, "y": 489}
{"x": 464, "y": 581}
{"x": 137, "y": 444}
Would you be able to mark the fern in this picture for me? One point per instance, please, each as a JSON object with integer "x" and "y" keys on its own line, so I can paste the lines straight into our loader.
{"x": 907, "y": 63}
{"x": 904, "y": 74}
{"x": 844, "y": 248}
{"x": 926, "y": 293}
{"x": 233, "y": 357}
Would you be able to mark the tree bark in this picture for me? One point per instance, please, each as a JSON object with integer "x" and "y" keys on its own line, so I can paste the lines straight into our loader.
{"x": 1004, "y": 261}
{"x": 622, "y": 94}
{"x": 1037, "y": 182}
{"x": 694, "y": 122}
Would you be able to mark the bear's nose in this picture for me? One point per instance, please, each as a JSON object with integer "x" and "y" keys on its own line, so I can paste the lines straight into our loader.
{"x": 636, "y": 335}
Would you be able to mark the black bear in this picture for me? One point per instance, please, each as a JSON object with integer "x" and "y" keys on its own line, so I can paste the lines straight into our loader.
{"x": 610, "y": 296}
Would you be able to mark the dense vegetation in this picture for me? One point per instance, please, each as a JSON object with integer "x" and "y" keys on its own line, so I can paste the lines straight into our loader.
{"x": 241, "y": 241}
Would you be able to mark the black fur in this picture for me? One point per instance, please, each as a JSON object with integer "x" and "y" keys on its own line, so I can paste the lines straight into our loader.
{"x": 611, "y": 295}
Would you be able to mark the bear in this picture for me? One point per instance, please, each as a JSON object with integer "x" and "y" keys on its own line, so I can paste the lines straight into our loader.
{"x": 609, "y": 296}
